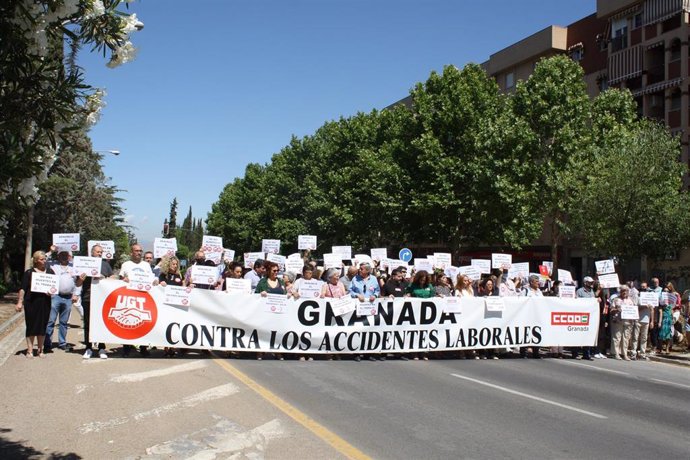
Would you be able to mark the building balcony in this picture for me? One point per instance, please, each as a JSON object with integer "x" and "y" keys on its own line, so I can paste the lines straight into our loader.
{"x": 674, "y": 69}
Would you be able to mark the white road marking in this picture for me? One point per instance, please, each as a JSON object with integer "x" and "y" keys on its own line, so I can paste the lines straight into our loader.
{"x": 589, "y": 366}
{"x": 671, "y": 383}
{"x": 140, "y": 376}
{"x": 8, "y": 345}
{"x": 190, "y": 401}
{"x": 82, "y": 387}
{"x": 535, "y": 398}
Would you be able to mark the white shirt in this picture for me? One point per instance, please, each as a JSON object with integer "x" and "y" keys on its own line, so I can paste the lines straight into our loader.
{"x": 130, "y": 267}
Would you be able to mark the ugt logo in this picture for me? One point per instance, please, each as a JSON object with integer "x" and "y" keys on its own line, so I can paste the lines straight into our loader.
{"x": 129, "y": 314}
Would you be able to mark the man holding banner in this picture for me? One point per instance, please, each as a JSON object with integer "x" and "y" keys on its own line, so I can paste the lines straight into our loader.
{"x": 61, "y": 303}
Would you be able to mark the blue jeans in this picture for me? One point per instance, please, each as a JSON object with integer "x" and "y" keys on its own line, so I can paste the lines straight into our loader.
{"x": 61, "y": 307}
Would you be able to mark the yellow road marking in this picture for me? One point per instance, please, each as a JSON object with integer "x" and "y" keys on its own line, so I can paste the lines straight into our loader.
{"x": 338, "y": 443}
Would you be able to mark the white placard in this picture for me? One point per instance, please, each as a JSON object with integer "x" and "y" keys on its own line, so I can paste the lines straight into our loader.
{"x": 379, "y": 253}
{"x": 66, "y": 241}
{"x": 668, "y": 298}
{"x": 278, "y": 259}
{"x": 306, "y": 242}
{"x": 549, "y": 265}
{"x": 107, "y": 246}
{"x": 609, "y": 281}
{"x": 212, "y": 243}
{"x": 566, "y": 292}
{"x": 89, "y": 265}
{"x": 294, "y": 265}
{"x": 343, "y": 305}
{"x": 140, "y": 280}
{"x": 251, "y": 257}
{"x": 295, "y": 256}
{"x": 332, "y": 261}
{"x": 423, "y": 264}
{"x": 203, "y": 274}
{"x": 310, "y": 289}
{"x": 473, "y": 272}
{"x": 650, "y": 299}
{"x": 629, "y": 311}
{"x": 484, "y": 265}
{"x": 452, "y": 273}
{"x": 501, "y": 261}
{"x": 452, "y": 305}
{"x": 605, "y": 266}
{"x": 44, "y": 283}
{"x": 229, "y": 254}
{"x": 238, "y": 286}
{"x": 366, "y": 309}
{"x": 270, "y": 246}
{"x": 275, "y": 303}
{"x": 344, "y": 252}
{"x": 177, "y": 295}
{"x": 519, "y": 270}
{"x": 363, "y": 258}
{"x": 164, "y": 247}
{"x": 442, "y": 260}
{"x": 494, "y": 303}
{"x": 396, "y": 263}
{"x": 564, "y": 276}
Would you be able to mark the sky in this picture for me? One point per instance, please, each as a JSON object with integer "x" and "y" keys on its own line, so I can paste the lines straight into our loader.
{"x": 219, "y": 84}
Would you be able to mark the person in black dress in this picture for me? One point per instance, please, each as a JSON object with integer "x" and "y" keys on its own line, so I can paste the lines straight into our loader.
{"x": 36, "y": 306}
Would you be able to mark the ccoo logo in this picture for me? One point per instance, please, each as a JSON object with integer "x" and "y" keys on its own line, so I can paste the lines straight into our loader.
{"x": 569, "y": 319}
{"x": 129, "y": 314}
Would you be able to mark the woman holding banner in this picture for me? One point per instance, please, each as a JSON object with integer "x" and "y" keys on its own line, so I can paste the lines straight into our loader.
{"x": 170, "y": 272}
{"x": 271, "y": 284}
{"x": 333, "y": 289}
{"x": 232, "y": 271}
{"x": 463, "y": 286}
{"x": 36, "y": 306}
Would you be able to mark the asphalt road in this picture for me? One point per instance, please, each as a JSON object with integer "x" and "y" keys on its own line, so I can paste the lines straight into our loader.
{"x": 201, "y": 407}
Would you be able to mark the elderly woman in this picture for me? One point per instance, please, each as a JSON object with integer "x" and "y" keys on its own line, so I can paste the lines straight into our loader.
{"x": 620, "y": 328}
{"x": 333, "y": 288}
{"x": 36, "y": 306}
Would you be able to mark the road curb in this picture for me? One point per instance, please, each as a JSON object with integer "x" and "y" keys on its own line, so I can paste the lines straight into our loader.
{"x": 675, "y": 361}
{"x": 8, "y": 326}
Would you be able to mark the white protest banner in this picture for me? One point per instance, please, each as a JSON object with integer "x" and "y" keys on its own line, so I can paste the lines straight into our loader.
{"x": 452, "y": 305}
{"x": 344, "y": 252}
{"x": 44, "y": 283}
{"x": 565, "y": 277}
{"x": 107, "y": 246}
{"x": 629, "y": 311}
{"x": 484, "y": 265}
{"x": 519, "y": 270}
{"x": 452, "y": 273}
{"x": 379, "y": 253}
{"x": 295, "y": 256}
{"x": 140, "y": 281}
{"x": 471, "y": 271}
{"x": 343, "y": 305}
{"x": 275, "y": 303}
{"x": 366, "y": 309}
{"x": 66, "y": 241}
{"x": 501, "y": 261}
{"x": 203, "y": 274}
{"x": 363, "y": 258}
{"x": 494, "y": 303}
{"x": 251, "y": 257}
{"x": 609, "y": 281}
{"x": 442, "y": 260}
{"x": 213, "y": 247}
{"x": 306, "y": 242}
{"x": 277, "y": 259}
{"x": 164, "y": 247}
{"x": 650, "y": 299}
{"x": 423, "y": 264}
{"x": 549, "y": 265}
{"x": 605, "y": 266}
{"x": 332, "y": 261}
{"x": 566, "y": 292}
{"x": 270, "y": 246}
{"x": 294, "y": 266}
{"x": 310, "y": 289}
{"x": 89, "y": 265}
{"x": 229, "y": 254}
{"x": 177, "y": 295}
{"x": 238, "y": 286}
{"x": 120, "y": 315}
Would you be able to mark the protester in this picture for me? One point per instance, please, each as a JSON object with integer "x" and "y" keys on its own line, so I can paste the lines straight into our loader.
{"x": 443, "y": 286}
{"x": 149, "y": 259}
{"x": 289, "y": 279}
{"x": 666, "y": 306}
{"x": 641, "y": 327}
{"x": 463, "y": 286}
{"x": 307, "y": 275}
{"x": 395, "y": 286}
{"x": 256, "y": 273}
{"x": 421, "y": 286}
{"x": 88, "y": 281}
{"x": 349, "y": 276}
{"x": 364, "y": 286}
{"x": 61, "y": 303}
{"x": 271, "y": 283}
{"x": 233, "y": 271}
{"x": 36, "y": 306}
{"x": 333, "y": 289}
{"x": 170, "y": 272}
{"x": 585, "y": 292}
{"x": 620, "y": 328}
{"x": 136, "y": 264}
{"x": 487, "y": 289}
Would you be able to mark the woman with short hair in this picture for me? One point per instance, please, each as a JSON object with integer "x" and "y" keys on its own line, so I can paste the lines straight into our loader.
{"x": 36, "y": 306}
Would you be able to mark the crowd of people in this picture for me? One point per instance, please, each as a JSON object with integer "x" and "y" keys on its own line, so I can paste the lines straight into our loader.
{"x": 656, "y": 330}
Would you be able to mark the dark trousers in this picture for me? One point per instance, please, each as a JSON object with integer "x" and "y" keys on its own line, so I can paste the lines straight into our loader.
{"x": 87, "y": 319}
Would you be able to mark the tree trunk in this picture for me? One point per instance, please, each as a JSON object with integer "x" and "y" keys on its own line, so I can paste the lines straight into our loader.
{"x": 29, "y": 237}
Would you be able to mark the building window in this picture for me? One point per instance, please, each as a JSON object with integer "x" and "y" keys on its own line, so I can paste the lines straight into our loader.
{"x": 675, "y": 100}
{"x": 619, "y": 34}
{"x": 577, "y": 53}
{"x": 603, "y": 83}
{"x": 675, "y": 50}
{"x": 637, "y": 20}
{"x": 510, "y": 80}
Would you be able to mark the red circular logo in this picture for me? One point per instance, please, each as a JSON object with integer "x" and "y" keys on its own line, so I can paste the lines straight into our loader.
{"x": 185, "y": 301}
{"x": 129, "y": 314}
{"x": 74, "y": 247}
{"x": 94, "y": 272}
{"x": 53, "y": 290}
{"x": 108, "y": 255}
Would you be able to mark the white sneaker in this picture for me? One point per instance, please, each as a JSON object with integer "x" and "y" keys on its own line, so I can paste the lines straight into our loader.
{"x": 603, "y": 356}
{"x": 87, "y": 354}
{"x": 102, "y": 354}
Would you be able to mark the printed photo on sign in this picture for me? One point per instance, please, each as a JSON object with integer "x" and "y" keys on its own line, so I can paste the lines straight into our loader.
{"x": 89, "y": 265}
{"x": 275, "y": 303}
{"x": 484, "y": 265}
{"x": 306, "y": 242}
{"x": 107, "y": 246}
{"x": 501, "y": 261}
{"x": 45, "y": 283}
{"x": 605, "y": 266}
{"x": 177, "y": 295}
{"x": 66, "y": 241}
{"x": 238, "y": 286}
{"x": 164, "y": 247}
{"x": 270, "y": 246}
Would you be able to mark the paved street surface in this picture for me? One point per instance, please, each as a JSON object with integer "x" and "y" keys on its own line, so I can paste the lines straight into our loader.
{"x": 203, "y": 407}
